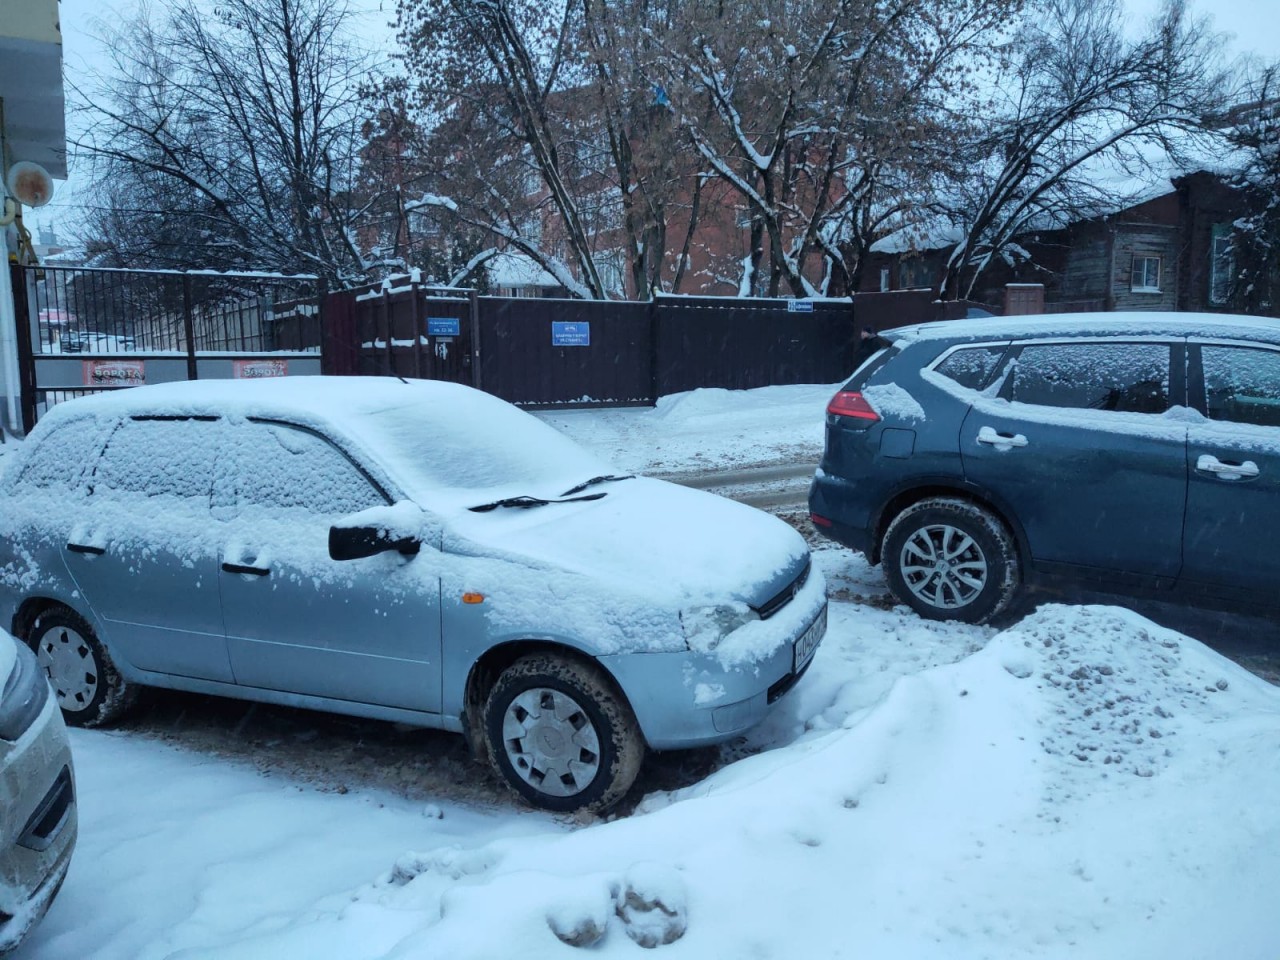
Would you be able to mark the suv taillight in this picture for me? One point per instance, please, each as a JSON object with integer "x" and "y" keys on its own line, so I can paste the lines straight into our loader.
{"x": 848, "y": 403}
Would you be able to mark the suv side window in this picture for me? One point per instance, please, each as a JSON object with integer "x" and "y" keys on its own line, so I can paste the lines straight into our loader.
{"x": 283, "y": 467}
{"x": 65, "y": 456}
{"x": 971, "y": 367}
{"x": 1124, "y": 377}
{"x": 1242, "y": 384}
{"x": 159, "y": 457}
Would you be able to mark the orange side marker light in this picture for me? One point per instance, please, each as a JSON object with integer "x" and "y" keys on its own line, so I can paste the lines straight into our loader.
{"x": 473, "y": 598}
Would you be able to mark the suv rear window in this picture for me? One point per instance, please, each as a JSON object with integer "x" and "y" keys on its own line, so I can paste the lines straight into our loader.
{"x": 1124, "y": 377}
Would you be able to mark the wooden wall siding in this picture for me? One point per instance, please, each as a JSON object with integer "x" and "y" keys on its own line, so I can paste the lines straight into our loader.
{"x": 1206, "y": 201}
{"x": 1087, "y": 268}
{"x": 1145, "y": 241}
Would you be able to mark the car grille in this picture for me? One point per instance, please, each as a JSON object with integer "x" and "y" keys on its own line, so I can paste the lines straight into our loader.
{"x": 45, "y": 824}
{"x": 784, "y": 596}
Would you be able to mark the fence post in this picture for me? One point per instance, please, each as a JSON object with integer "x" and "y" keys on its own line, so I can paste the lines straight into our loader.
{"x": 653, "y": 348}
{"x": 189, "y": 328}
{"x": 26, "y": 358}
{"x": 416, "y": 319}
{"x": 474, "y": 305}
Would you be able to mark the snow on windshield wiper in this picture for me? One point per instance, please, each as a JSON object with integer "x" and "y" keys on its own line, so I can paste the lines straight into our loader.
{"x": 526, "y": 502}
{"x": 606, "y": 478}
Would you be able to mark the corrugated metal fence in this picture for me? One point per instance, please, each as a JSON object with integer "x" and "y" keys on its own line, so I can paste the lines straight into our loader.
{"x": 575, "y": 352}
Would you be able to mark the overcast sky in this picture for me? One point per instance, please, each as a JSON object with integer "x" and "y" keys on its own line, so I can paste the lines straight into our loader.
{"x": 1254, "y": 26}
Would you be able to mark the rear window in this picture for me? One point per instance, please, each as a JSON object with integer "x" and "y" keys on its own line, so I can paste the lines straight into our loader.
{"x": 65, "y": 456}
{"x": 1124, "y": 377}
{"x": 868, "y": 369}
{"x": 160, "y": 458}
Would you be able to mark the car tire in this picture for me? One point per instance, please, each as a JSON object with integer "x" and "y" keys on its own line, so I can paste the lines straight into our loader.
{"x": 546, "y": 707}
{"x": 951, "y": 559}
{"x": 85, "y": 680}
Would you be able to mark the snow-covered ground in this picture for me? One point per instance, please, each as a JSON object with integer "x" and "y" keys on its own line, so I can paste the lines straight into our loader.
{"x": 1084, "y": 784}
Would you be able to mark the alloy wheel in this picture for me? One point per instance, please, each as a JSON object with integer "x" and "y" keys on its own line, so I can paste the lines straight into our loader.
{"x": 943, "y": 566}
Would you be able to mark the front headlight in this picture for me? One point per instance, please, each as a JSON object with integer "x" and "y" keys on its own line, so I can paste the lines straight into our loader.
{"x": 705, "y": 627}
{"x": 25, "y": 694}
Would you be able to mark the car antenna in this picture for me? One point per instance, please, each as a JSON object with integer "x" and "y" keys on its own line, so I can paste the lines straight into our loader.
{"x": 402, "y": 380}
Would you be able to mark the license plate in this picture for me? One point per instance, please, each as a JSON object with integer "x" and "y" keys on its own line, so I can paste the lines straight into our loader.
{"x": 809, "y": 640}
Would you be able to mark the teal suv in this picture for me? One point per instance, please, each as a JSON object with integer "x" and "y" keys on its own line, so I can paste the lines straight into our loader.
{"x": 1134, "y": 453}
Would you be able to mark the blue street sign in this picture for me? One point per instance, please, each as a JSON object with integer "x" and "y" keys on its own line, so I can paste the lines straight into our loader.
{"x": 799, "y": 306}
{"x": 444, "y": 327}
{"x": 570, "y": 334}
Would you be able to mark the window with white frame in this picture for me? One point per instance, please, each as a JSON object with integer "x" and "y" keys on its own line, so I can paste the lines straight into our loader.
{"x": 1221, "y": 264}
{"x": 884, "y": 279}
{"x": 1146, "y": 275}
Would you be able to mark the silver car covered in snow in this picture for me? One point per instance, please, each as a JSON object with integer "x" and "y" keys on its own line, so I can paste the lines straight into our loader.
{"x": 418, "y": 552}
{"x": 37, "y": 794}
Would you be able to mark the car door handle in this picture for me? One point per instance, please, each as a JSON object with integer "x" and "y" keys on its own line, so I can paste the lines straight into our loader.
{"x": 1001, "y": 440}
{"x": 1208, "y": 463}
{"x": 86, "y": 548}
{"x": 242, "y": 568}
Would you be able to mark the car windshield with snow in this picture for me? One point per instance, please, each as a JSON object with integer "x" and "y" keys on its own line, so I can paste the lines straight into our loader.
{"x": 1131, "y": 453}
{"x": 418, "y": 552}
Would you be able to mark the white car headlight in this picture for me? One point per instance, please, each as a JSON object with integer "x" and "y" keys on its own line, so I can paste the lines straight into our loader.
{"x": 705, "y": 627}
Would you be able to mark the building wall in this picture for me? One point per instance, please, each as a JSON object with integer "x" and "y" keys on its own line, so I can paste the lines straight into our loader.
{"x": 1205, "y": 202}
{"x": 1131, "y": 243}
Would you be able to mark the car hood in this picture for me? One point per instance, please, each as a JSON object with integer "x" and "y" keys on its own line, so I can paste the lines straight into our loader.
{"x": 679, "y": 547}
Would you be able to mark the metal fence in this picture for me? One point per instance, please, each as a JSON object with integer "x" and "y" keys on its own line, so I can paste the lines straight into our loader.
{"x": 88, "y": 329}
{"x": 104, "y": 310}
{"x": 543, "y": 352}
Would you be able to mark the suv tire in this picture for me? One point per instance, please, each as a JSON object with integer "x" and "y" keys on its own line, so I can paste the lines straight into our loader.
{"x": 950, "y": 559}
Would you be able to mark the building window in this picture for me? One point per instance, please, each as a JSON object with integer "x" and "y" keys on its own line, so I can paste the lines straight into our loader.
{"x": 1221, "y": 264}
{"x": 915, "y": 274}
{"x": 1146, "y": 275}
{"x": 884, "y": 279}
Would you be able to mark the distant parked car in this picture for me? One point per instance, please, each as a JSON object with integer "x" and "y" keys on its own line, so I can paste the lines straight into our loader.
{"x": 418, "y": 552}
{"x": 75, "y": 342}
{"x": 37, "y": 794}
{"x": 1133, "y": 453}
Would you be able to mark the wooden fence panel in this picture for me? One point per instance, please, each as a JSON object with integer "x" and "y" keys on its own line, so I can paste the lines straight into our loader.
{"x": 742, "y": 344}
{"x": 606, "y": 357}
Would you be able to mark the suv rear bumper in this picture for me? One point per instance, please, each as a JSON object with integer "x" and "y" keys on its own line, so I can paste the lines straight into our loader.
{"x": 849, "y": 515}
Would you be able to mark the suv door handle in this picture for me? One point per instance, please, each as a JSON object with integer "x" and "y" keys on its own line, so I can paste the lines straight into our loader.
{"x": 1001, "y": 441}
{"x": 86, "y": 548}
{"x": 1227, "y": 471}
{"x": 252, "y": 571}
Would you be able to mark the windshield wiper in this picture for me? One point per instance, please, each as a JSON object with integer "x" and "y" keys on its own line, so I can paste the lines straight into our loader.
{"x": 606, "y": 478}
{"x": 525, "y": 503}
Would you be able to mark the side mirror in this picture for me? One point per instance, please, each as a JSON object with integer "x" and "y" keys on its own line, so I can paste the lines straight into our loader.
{"x": 355, "y": 543}
{"x": 400, "y": 527}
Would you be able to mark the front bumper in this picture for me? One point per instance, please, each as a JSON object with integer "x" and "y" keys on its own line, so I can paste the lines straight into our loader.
{"x": 684, "y": 700}
{"x": 38, "y": 813}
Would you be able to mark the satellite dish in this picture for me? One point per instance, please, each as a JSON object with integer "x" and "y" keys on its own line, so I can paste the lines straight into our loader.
{"x": 30, "y": 184}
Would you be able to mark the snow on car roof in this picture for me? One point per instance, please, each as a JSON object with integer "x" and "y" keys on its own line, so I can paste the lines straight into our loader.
{"x": 429, "y": 436}
{"x": 1216, "y": 325}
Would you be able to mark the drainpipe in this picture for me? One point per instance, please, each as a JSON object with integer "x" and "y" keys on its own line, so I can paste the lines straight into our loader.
{"x": 9, "y": 376}
{"x": 8, "y": 341}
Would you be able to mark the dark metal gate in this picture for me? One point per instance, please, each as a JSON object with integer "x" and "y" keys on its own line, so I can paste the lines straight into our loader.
{"x": 83, "y": 330}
